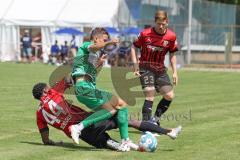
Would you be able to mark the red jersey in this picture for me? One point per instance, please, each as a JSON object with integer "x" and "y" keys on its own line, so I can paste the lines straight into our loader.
{"x": 57, "y": 112}
{"x": 154, "y": 47}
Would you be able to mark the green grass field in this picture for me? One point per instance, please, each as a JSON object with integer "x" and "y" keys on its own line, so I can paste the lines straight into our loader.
{"x": 207, "y": 105}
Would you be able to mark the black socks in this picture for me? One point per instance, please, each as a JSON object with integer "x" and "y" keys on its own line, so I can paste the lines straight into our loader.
{"x": 162, "y": 107}
{"x": 147, "y": 110}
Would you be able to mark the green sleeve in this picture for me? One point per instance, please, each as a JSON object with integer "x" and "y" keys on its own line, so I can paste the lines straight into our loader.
{"x": 80, "y": 62}
{"x": 84, "y": 48}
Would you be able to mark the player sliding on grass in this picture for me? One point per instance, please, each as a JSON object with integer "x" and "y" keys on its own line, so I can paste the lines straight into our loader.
{"x": 103, "y": 103}
{"x": 54, "y": 110}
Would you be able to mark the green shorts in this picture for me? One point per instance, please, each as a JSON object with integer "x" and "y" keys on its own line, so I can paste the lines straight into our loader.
{"x": 87, "y": 93}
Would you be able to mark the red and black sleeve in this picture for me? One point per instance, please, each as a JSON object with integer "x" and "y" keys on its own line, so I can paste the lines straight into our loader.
{"x": 41, "y": 123}
{"x": 139, "y": 41}
{"x": 60, "y": 86}
{"x": 173, "y": 46}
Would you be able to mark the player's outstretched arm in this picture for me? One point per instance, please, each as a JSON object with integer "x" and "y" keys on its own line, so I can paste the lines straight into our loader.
{"x": 47, "y": 141}
{"x": 97, "y": 46}
{"x": 63, "y": 84}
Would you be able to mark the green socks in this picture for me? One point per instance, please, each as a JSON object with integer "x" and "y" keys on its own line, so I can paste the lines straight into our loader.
{"x": 103, "y": 114}
{"x": 96, "y": 117}
{"x": 122, "y": 120}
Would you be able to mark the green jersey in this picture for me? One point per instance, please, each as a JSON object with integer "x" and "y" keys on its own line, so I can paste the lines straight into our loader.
{"x": 85, "y": 62}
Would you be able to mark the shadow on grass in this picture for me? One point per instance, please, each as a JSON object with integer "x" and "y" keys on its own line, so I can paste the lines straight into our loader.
{"x": 167, "y": 150}
{"x": 67, "y": 145}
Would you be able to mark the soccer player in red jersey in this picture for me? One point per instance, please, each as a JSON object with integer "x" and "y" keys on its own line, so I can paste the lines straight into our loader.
{"x": 56, "y": 111}
{"x": 154, "y": 43}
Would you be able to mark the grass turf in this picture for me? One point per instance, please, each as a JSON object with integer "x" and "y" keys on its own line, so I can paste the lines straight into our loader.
{"x": 206, "y": 105}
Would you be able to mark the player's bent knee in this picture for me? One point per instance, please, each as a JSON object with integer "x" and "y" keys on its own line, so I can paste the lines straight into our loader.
{"x": 149, "y": 89}
{"x": 121, "y": 103}
{"x": 149, "y": 93}
{"x": 117, "y": 103}
{"x": 114, "y": 101}
{"x": 169, "y": 96}
{"x": 108, "y": 106}
{"x": 149, "y": 98}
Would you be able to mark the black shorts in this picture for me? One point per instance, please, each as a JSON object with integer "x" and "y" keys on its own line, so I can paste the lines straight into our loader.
{"x": 160, "y": 81}
{"x": 96, "y": 135}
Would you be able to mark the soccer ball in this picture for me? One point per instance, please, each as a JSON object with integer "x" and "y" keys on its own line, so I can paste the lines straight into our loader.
{"x": 148, "y": 142}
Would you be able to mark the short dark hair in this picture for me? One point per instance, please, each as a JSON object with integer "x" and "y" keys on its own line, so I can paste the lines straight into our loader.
{"x": 161, "y": 15}
{"x": 98, "y": 30}
{"x": 37, "y": 90}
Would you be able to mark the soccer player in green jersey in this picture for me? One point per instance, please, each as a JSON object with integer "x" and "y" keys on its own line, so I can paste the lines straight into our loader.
{"x": 103, "y": 103}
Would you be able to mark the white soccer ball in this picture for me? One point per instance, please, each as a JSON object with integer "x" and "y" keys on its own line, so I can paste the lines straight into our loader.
{"x": 148, "y": 142}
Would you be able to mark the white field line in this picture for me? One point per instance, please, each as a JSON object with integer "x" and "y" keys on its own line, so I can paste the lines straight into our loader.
{"x": 211, "y": 69}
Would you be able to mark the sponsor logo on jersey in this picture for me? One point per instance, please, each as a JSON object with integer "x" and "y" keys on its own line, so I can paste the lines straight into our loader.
{"x": 154, "y": 48}
{"x": 165, "y": 43}
{"x": 148, "y": 40}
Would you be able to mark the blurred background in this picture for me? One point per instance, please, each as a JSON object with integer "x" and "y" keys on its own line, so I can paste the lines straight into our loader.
{"x": 50, "y": 31}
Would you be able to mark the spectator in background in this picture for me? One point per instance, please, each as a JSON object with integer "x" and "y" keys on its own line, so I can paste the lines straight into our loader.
{"x": 27, "y": 47}
{"x": 54, "y": 56}
{"x": 73, "y": 46}
{"x": 123, "y": 56}
{"x": 73, "y": 42}
{"x": 64, "y": 52}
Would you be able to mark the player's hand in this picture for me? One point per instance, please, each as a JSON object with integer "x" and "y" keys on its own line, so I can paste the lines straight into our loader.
{"x": 101, "y": 60}
{"x": 136, "y": 72}
{"x": 175, "y": 79}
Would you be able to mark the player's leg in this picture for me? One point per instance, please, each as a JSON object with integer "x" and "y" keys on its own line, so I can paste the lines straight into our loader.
{"x": 97, "y": 100}
{"x": 104, "y": 104}
{"x": 98, "y": 116}
{"x": 107, "y": 110}
{"x": 102, "y": 140}
{"x": 147, "y": 82}
{"x": 94, "y": 99}
{"x": 96, "y": 135}
{"x": 165, "y": 88}
{"x": 148, "y": 126}
{"x": 122, "y": 121}
{"x": 95, "y": 118}
{"x": 122, "y": 115}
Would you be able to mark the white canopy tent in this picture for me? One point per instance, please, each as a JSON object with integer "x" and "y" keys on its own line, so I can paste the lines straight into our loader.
{"x": 50, "y": 15}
